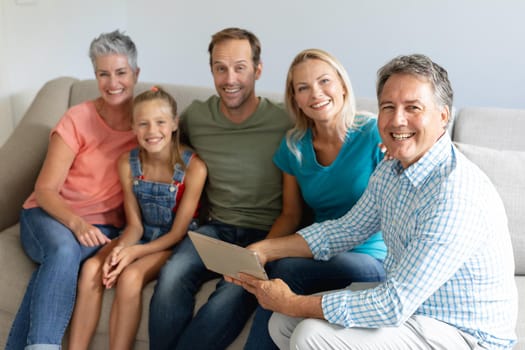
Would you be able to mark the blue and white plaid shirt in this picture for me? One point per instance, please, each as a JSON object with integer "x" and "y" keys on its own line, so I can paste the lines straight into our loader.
{"x": 449, "y": 251}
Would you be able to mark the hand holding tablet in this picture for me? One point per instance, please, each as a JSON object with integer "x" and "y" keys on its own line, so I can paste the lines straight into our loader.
{"x": 226, "y": 258}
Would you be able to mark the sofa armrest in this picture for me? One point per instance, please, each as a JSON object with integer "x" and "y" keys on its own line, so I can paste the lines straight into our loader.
{"x": 22, "y": 154}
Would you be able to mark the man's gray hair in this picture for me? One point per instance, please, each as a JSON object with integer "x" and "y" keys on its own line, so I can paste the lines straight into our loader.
{"x": 421, "y": 66}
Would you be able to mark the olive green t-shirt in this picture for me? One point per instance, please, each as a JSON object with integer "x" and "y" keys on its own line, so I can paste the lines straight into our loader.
{"x": 244, "y": 187}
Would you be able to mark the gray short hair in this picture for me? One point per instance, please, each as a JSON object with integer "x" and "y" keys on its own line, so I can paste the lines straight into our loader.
{"x": 112, "y": 43}
{"x": 421, "y": 66}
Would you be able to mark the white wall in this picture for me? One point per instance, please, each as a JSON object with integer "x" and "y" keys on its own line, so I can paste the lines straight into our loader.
{"x": 43, "y": 39}
{"x": 480, "y": 42}
{"x": 6, "y": 121}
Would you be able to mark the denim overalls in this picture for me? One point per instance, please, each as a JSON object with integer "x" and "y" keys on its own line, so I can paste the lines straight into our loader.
{"x": 157, "y": 201}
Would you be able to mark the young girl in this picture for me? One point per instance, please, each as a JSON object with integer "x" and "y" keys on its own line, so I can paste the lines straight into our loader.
{"x": 162, "y": 182}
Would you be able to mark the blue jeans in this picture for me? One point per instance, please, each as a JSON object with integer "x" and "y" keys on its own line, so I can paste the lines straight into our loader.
{"x": 219, "y": 321}
{"x": 308, "y": 276}
{"x": 50, "y": 295}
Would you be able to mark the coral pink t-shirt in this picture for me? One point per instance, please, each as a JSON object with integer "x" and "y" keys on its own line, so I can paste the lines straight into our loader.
{"x": 92, "y": 187}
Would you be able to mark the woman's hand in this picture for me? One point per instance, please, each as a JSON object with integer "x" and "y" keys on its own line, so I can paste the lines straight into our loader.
{"x": 51, "y": 179}
{"x": 384, "y": 150}
{"x": 89, "y": 235}
{"x": 257, "y": 247}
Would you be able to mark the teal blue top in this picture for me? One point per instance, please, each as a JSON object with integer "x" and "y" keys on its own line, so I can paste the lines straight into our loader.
{"x": 332, "y": 190}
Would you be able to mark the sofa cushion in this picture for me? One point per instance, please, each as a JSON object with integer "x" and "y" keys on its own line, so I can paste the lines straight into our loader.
{"x": 505, "y": 169}
{"x": 183, "y": 94}
{"x": 490, "y": 127}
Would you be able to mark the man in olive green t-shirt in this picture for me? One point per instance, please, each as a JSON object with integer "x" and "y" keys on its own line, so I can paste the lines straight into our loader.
{"x": 236, "y": 133}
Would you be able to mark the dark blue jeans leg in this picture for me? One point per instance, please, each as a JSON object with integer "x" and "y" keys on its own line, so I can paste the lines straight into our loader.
{"x": 173, "y": 300}
{"x": 308, "y": 276}
{"x": 223, "y": 317}
{"x": 50, "y": 295}
{"x": 259, "y": 337}
{"x": 220, "y": 320}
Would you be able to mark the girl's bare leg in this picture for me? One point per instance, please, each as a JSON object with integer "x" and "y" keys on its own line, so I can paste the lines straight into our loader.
{"x": 89, "y": 300}
{"x": 127, "y": 305}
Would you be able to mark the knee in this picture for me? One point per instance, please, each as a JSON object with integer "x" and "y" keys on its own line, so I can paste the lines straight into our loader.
{"x": 92, "y": 266}
{"x": 130, "y": 283}
{"x": 228, "y": 297}
{"x": 181, "y": 273}
{"x": 167, "y": 279}
{"x": 286, "y": 269}
{"x": 305, "y": 335}
{"x": 297, "y": 333}
{"x": 280, "y": 331}
{"x": 312, "y": 334}
{"x": 91, "y": 271}
{"x": 168, "y": 287}
{"x": 67, "y": 254}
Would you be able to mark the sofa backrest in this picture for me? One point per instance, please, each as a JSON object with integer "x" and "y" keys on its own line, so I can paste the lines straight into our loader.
{"x": 493, "y": 139}
{"x": 22, "y": 160}
{"x": 185, "y": 94}
{"x": 497, "y": 128}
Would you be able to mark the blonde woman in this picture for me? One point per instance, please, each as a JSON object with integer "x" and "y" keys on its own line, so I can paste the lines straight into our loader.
{"x": 326, "y": 160}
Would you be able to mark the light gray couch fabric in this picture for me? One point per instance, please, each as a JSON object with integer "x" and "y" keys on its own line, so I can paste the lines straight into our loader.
{"x": 492, "y": 138}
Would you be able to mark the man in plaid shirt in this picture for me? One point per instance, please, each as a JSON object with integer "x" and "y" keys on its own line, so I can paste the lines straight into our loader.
{"x": 449, "y": 267}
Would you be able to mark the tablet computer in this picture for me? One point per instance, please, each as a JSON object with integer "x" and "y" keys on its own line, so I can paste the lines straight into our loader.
{"x": 227, "y": 258}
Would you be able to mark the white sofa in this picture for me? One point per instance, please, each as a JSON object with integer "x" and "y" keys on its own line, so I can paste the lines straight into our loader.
{"x": 490, "y": 137}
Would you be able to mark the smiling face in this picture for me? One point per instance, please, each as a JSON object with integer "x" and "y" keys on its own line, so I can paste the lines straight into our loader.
{"x": 410, "y": 122}
{"x": 116, "y": 80}
{"x": 153, "y": 123}
{"x": 234, "y": 76}
{"x": 318, "y": 91}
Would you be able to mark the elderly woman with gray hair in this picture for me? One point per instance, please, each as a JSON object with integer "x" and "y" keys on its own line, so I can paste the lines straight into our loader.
{"x": 76, "y": 206}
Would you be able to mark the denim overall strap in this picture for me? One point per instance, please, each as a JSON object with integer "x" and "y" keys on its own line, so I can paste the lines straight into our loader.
{"x": 178, "y": 173}
{"x": 134, "y": 163}
{"x": 156, "y": 200}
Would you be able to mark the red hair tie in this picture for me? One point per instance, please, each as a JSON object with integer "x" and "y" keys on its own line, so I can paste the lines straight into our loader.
{"x": 154, "y": 89}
